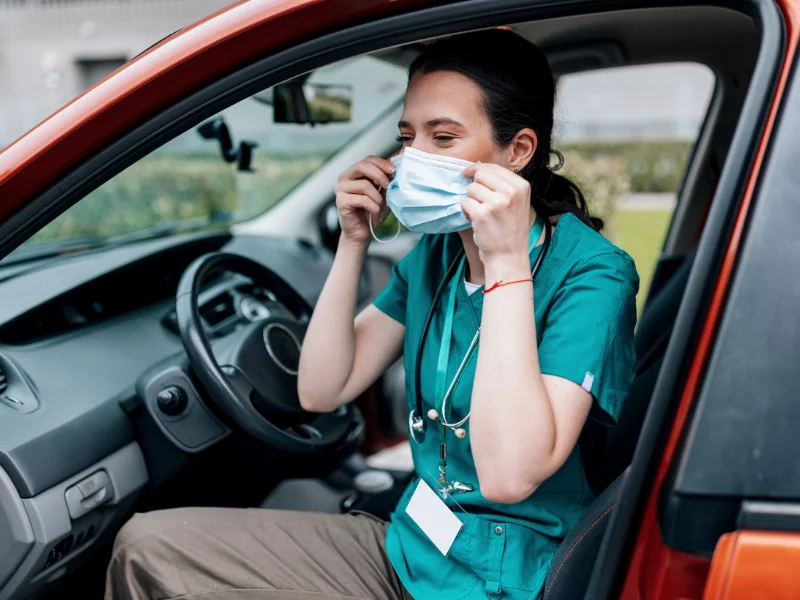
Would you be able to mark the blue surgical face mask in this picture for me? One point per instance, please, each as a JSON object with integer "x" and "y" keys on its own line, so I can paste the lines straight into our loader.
{"x": 426, "y": 192}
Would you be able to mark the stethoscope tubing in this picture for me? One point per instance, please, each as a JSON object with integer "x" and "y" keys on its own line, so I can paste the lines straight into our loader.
{"x": 537, "y": 265}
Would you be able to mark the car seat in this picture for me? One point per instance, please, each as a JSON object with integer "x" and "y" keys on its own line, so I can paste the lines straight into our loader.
{"x": 573, "y": 564}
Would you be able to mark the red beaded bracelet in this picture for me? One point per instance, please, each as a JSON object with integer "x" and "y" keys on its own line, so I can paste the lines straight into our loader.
{"x": 502, "y": 283}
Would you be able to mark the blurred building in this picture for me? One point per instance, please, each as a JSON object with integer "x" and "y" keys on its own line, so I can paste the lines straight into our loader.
{"x": 666, "y": 101}
{"x": 52, "y": 50}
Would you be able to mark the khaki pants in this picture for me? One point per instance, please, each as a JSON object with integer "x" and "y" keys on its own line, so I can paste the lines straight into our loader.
{"x": 216, "y": 554}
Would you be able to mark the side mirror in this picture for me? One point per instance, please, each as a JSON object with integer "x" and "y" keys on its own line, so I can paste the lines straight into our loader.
{"x": 312, "y": 103}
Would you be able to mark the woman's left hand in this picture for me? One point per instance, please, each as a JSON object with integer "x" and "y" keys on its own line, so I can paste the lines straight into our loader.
{"x": 498, "y": 204}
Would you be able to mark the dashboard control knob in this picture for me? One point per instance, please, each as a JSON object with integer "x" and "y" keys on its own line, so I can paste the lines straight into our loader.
{"x": 172, "y": 400}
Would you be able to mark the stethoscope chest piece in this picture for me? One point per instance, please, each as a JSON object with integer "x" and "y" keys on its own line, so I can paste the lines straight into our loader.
{"x": 416, "y": 427}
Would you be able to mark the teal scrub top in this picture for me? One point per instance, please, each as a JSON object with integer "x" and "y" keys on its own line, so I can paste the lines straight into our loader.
{"x": 585, "y": 311}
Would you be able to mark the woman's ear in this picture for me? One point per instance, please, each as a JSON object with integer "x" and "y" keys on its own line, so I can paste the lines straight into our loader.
{"x": 522, "y": 148}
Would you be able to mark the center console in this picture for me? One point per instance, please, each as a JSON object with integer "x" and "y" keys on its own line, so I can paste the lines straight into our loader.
{"x": 353, "y": 487}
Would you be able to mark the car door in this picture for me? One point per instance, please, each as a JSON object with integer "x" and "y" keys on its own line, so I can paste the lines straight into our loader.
{"x": 709, "y": 506}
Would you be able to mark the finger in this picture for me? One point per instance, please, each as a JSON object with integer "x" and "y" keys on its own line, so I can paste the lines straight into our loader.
{"x": 472, "y": 209}
{"x": 487, "y": 169}
{"x": 360, "y": 201}
{"x": 384, "y": 165}
{"x": 495, "y": 181}
{"x": 482, "y": 194}
{"x": 371, "y": 172}
{"x": 471, "y": 170}
{"x": 368, "y": 189}
{"x": 474, "y": 168}
{"x": 362, "y": 187}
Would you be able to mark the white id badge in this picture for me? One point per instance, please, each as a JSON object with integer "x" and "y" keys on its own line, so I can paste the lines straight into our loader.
{"x": 433, "y": 516}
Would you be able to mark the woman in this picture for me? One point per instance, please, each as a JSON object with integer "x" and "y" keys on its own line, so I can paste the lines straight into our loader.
{"x": 474, "y": 171}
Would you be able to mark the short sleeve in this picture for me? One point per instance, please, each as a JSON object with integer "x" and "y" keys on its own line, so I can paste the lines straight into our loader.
{"x": 393, "y": 299}
{"x": 588, "y": 331}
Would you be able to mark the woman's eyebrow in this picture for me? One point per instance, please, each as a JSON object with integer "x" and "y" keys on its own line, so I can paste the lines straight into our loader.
{"x": 443, "y": 121}
{"x": 432, "y": 123}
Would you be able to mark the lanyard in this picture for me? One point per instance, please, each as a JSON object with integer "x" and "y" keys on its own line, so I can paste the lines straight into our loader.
{"x": 444, "y": 360}
{"x": 444, "y": 354}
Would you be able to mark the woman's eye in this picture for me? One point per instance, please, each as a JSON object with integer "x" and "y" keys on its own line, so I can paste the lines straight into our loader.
{"x": 404, "y": 139}
{"x": 443, "y": 138}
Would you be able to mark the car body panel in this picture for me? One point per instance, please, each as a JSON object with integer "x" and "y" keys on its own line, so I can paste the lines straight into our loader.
{"x": 755, "y": 564}
{"x": 656, "y": 572}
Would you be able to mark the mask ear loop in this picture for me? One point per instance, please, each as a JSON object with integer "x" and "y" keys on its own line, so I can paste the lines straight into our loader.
{"x": 377, "y": 239}
{"x": 560, "y": 158}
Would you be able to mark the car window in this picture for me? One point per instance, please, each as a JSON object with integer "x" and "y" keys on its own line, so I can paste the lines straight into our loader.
{"x": 627, "y": 134}
{"x": 187, "y": 183}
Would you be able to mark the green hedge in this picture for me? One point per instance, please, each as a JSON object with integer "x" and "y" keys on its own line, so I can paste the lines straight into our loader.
{"x": 178, "y": 187}
{"x": 166, "y": 186}
{"x": 650, "y": 166}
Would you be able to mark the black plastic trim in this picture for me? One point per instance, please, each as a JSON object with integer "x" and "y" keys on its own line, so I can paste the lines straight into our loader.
{"x": 769, "y": 516}
{"x": 693, "y": 524}
{"x": 607, "y": 578}
{"x": 707, "y": 122}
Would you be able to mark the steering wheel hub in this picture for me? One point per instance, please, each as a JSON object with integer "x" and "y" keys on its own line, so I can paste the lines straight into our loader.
{"x": 283, "y": 347}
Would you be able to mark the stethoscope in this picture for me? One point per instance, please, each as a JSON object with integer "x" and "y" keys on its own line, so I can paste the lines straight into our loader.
{"x": 417, "y": 425}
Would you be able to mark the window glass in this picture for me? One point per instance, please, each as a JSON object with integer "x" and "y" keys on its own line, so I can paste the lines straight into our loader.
{"x": 188, "y": 183}
{"x": 627, "y": 134}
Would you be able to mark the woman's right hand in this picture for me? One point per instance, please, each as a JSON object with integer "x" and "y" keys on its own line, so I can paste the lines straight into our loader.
{"x": 360, "y": 195}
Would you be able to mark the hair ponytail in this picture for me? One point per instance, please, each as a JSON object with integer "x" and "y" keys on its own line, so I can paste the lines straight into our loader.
{"x": 555, "y": 194}
{"x": 518, "y": 93}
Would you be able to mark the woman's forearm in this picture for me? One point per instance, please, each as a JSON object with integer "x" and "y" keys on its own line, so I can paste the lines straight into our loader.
{"x": 512, "y": 427}
{"x": 326, "y": 359}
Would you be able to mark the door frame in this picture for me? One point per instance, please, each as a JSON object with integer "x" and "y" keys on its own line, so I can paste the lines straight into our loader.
{"x": 633, "y": 562}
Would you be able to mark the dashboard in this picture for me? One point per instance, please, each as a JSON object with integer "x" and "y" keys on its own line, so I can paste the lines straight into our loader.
{"x": 77, "y": 335}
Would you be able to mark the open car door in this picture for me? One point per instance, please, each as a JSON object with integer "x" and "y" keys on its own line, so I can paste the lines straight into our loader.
{"x": 709, "y": 507}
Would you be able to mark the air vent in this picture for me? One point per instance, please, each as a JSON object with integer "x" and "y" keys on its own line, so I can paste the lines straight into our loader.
{"x": 217, "y": 310}
{"x": 3, "y": 382}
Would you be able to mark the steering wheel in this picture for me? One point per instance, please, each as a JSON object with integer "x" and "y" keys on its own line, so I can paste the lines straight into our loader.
{"x": 251, "y": 374}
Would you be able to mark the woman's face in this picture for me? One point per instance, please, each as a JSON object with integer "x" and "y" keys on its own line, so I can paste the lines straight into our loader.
{"x": 444, "y": 115}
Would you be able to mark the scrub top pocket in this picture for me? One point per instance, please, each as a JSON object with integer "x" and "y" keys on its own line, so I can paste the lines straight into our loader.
{"x": 516, "y": 559}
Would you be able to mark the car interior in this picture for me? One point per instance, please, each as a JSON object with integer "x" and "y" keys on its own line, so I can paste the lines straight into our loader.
{"x": 160, "y": 371}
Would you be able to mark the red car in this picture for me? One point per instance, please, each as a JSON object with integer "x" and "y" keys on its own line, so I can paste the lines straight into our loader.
{"x": 124, "y": 350}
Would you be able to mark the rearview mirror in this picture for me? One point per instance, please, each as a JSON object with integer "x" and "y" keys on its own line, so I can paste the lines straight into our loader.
{"x": 217, "y": 129}
{"x": 312, "y": 103}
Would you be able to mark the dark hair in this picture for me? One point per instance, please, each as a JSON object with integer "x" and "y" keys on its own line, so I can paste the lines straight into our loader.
{"x": 518, "y": 93}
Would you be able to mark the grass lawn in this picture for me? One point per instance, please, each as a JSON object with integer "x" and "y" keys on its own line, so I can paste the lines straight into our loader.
{"x": 641, "y": 234}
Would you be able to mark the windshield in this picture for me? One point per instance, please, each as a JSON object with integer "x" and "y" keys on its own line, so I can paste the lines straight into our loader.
{"x": 237, "y": 165}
